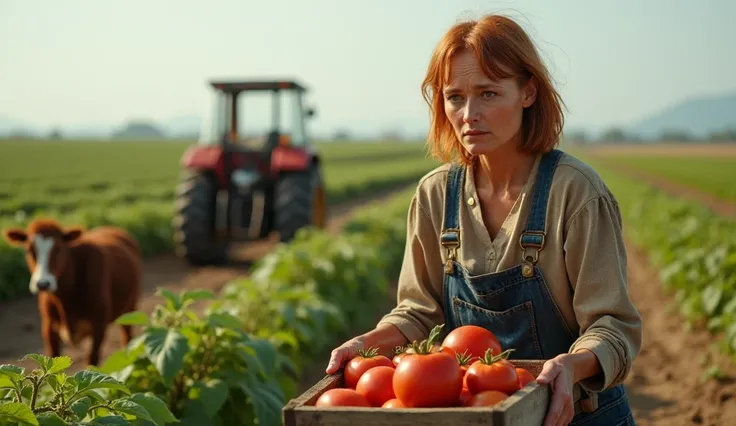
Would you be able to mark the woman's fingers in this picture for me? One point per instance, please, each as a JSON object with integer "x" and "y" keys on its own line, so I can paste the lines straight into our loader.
{"x": 337, "y": 357}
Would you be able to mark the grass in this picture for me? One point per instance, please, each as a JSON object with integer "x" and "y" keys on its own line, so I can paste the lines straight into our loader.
{"x": 712, "y": 175}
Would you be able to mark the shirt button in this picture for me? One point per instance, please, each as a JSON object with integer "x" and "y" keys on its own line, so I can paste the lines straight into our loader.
{"x": 471, "y": 201}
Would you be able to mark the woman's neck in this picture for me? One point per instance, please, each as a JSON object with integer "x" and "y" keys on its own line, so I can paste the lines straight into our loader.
{"x": 505, "y": 171}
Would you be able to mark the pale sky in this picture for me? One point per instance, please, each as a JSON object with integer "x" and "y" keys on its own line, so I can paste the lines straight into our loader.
{"x": 78, "y": 62}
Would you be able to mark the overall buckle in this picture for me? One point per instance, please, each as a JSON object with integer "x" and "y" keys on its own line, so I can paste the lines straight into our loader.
{"x": 450, "y": 239}
{"x": 531, "y": 240}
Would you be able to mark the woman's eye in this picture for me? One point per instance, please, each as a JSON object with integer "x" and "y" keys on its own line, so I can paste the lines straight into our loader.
{"x": 489, "y": 94}
{"x": 454, "y": 98}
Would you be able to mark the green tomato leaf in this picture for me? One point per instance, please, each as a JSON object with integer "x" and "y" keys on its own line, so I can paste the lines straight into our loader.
{"x": 126, "y": 406}
{"x": 81, "y": 406}
{"x": 212, "y": 393}
{"x": 157, "y": 409}
{"x": 88, "y": 380}
{"x": 51, "y": 419}
{"x": 166, "y": 349}
{"x": 133, "y": 318}
{"x": 18, "y": 412}
{"x": 110, "y": 421}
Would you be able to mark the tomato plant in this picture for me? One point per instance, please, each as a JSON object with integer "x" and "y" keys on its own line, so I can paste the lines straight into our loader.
{"x": 473, "y": 339}
{"x": 376, "y": 385}
{"x": 428, "y": 377}
{"x": 525, "y": 377}
{"x": 493, "y": 373}
{"x": 486, "y": 398}
{"x": 341, "y": 397}
{"x": 49, "y": 396}
{"x": 364, "y": 361}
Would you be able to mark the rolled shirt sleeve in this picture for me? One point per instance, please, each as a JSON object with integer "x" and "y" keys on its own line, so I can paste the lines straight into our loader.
{"x": 419, "y": 298}
{"x": 595, "y": 256}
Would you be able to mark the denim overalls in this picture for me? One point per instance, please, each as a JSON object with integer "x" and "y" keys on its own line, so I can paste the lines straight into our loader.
{"x": 515, "y": 304}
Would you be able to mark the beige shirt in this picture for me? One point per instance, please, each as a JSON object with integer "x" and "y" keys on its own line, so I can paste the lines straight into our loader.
{"x": 583, "y": 261}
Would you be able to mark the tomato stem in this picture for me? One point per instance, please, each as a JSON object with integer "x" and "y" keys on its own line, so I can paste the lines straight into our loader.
{"x": 463, "y": 358}
{"x": 489, "y": 358}
{"x": 368, "y": 353}
{"x": 425, "y": 346}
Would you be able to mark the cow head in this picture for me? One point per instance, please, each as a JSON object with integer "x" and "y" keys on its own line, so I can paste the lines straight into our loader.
{"x": 47, "y": 251}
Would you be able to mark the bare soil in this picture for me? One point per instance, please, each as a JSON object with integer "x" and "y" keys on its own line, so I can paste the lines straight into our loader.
{"x": 21, "y": 325}
{"x": 664, "y": 384}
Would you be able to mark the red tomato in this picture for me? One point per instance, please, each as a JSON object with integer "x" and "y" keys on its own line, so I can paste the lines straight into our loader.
{"x": 525, "y": 377}
{"x": 393, "y": 403}
{"x": 465, "y": 395}
{"x": 362, "y": 363}
{"x": 428, "y": 377}
{"x": 472, "y": 338}
{"x": 376, "y": 385}
{"x": 342, "y": 397}
{"x": 492, "y": 373}
{"x": 486, "y": 399}
{"x": 399, "y": 353}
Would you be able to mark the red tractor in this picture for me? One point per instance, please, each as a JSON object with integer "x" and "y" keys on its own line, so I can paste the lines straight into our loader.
{"x": 253, "y": 172}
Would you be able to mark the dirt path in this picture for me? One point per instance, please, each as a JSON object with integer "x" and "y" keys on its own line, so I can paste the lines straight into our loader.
{"x": 664, "y": 385}
{"x": 20, "y": 321}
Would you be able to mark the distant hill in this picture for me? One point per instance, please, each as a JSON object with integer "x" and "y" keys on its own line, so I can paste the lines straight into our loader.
{"x": 699, "y": 116}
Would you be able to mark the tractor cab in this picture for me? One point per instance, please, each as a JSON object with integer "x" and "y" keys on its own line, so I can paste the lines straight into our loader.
{"x": 253, "y": 171}
{"x": 256, "y": 115}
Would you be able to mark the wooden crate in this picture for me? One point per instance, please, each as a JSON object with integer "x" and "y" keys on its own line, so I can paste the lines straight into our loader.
{"x": 527, "y": 407}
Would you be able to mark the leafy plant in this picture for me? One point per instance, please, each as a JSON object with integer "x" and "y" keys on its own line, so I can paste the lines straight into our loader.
{"x": 694, "y": 249}
{"x": 73, "y": 400}
{"x": 207, "y": 370}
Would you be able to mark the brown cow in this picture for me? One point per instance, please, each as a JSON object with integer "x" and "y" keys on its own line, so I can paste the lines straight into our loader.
{"x": 84, "y": 281}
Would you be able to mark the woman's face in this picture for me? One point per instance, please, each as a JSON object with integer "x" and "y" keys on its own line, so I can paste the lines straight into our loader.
{"x": 485, "y": 114}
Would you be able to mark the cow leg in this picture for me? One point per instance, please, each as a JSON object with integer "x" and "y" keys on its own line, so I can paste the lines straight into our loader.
{"x": 51, "y": 339}
{"x": 98, "y": 338}
{"x": 126, "y": 333}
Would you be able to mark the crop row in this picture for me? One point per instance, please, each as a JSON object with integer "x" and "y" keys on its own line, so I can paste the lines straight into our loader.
{"x": 694, "y": 249}
{"x": 239, "y": 361}
{"x": 712, "y": 175}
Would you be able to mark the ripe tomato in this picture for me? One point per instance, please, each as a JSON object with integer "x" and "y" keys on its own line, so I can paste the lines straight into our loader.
{"x": 399, "y": 353}
{"x": 465, "y": 396}
{"x": 393, "y": 403}
{"x": 464, "y": 361}
{"x": 341, "y": 397}
{"x": 376, "y": 385}
{"x": 492, "y": 373}
{"x": 486, "y": 399}
{"x": 428, "y": 378}
{"x": 525, "y": 377}
{"x": 362, "y": 363}
{"x": 472, "y": 338}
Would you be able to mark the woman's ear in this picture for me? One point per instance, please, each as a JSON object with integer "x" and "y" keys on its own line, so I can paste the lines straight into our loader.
{"x": 529, "y": 93}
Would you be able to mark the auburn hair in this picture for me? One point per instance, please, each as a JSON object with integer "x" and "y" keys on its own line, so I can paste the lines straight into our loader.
{"x": 503, "y": 50}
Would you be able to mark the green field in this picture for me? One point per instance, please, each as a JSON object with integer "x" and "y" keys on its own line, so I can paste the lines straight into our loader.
{"x": 712, "y": 175}
{"x": 132, "y": 184}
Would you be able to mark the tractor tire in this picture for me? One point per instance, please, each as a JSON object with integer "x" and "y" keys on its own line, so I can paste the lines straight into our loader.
{"x": 299, "y": 202}
{"x": 194, "y": 222}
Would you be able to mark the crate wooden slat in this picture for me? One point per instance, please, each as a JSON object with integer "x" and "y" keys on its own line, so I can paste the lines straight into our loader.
{"x": 528, "y": 406}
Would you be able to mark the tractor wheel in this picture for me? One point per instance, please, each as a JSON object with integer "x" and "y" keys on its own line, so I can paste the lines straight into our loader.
{"x": 194, "y": 221}
{"x": 299, "y": 202}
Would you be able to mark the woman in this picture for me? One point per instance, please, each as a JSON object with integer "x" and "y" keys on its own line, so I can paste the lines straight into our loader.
{"x": 512, "y": 234}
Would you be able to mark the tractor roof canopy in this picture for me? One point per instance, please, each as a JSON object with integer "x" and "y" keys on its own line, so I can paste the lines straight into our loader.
{"x": 247, "y": 85}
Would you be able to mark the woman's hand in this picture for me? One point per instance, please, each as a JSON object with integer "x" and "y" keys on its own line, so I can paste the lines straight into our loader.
{"x": 344, "y": 352}
{"x": 562, "y": 372}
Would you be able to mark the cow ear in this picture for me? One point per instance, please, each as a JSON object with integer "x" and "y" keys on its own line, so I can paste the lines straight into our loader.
{"x": 15, "y": 236}
{"x": 72, "y": 233}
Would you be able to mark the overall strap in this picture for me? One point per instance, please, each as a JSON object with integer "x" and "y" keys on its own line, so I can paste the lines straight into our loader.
{"x": 450, "y": 237}
{"x": 533, "y": 236}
